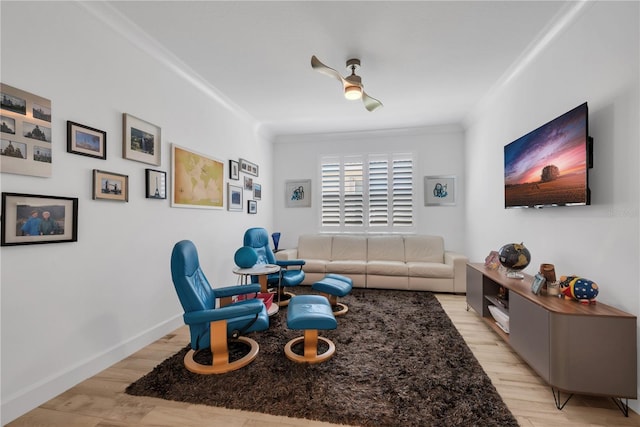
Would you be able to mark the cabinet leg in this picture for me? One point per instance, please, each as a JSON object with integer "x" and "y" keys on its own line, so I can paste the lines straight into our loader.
{"x": 556, "y": 398}
{"x": 623, "y": 406}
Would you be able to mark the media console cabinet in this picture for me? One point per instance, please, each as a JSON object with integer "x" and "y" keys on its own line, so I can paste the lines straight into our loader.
{"x": 575, "y": 348}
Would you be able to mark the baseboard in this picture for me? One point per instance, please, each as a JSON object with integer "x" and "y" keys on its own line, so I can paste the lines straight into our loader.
{"x": 36, "y": 394}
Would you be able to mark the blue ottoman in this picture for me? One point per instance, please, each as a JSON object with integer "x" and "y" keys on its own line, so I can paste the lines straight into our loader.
{"x": 310, "y": 313}
{"x": 333, "y": 286}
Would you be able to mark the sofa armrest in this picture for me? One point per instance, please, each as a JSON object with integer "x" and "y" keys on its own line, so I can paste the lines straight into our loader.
{"x": 287, "y": 254}
{"x": 459, "y": 263}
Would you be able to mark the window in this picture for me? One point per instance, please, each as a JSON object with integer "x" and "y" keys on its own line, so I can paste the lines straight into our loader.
{"x": 367, "y": 193}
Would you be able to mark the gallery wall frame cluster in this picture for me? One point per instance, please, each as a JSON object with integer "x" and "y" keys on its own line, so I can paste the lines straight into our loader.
{"x": 197, "y": 180}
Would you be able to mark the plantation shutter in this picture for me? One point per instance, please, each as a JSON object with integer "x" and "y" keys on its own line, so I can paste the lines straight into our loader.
{"x": 331, "y": 185}
{"x": 353, "y": 193}
{"x": 402, "y": 200}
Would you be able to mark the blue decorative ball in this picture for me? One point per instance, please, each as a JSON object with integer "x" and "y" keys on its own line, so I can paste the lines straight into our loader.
{"x": 245, "y": 257}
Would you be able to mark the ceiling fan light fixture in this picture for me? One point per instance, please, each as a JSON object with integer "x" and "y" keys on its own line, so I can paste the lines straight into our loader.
{"x": 353, "y": 92}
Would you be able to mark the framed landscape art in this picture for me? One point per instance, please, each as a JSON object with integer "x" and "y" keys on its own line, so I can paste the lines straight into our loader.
{"x": 197, "y": 180}
{"x": 156, "y": 184}
{"x": 234, "y": 196}
{"x": 140, "y": 140}
{"x": 86, "y": 141}
{"x": 110, "y": 186}
{"x": 248, "y": 167}
{"x": 29, "y": 219}
{"x": 25, "y": 129}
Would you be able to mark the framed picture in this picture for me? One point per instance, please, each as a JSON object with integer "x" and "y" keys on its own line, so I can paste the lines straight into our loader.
{"x": 440, "y": 190}
{"x": 252, "y": 206}
{"x": 25, "y": 128}
{"x": 248, "y": 167}
{"x": 234, "y": 170}
{"x": 234, "y": 196}
{"x": 538, "y": 282}
{"x": 297, "y": 193}
{"x": 257, "y": 191}
{"x": 248, "y": 183}
{"x": 29, "y": 219}
{"x": 197, "y": 180}
{"x": 110, "y": 186}
{"x": 86, "y": 141}
{"x": 156, "y": 184}
{"x": 140, "y": 140}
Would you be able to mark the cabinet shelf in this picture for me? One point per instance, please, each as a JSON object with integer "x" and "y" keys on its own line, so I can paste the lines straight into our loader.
{"x": 561, "y": 339}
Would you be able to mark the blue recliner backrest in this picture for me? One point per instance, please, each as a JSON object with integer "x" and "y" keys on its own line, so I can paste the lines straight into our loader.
{"x": 258, "y": 239}
{"x": 192, "y": 287}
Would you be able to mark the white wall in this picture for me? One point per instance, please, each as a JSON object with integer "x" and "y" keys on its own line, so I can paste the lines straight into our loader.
{"x": 594, "y": 60}
{"x": 438, "y": 150}
{"x": 70, "y": 310}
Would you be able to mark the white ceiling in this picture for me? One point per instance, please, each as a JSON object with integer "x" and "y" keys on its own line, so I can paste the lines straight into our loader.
{"x": 429, "y": 62}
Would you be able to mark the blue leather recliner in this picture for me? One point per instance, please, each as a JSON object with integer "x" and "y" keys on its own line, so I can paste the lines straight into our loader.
{"x": 290, "y": 273}
{"x": 213, "y": 327}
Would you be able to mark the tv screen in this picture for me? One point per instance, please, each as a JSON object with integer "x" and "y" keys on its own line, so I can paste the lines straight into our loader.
{"x": 549, "y": 166}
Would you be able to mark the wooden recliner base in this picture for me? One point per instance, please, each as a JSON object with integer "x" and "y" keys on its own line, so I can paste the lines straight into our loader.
{"x": 220, "y": 353}
{"x": 311, "y": 355}
{"x": 338, "y": 308}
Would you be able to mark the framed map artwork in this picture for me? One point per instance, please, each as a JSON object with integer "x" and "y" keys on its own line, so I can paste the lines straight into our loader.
{"x": 197, "y": 180}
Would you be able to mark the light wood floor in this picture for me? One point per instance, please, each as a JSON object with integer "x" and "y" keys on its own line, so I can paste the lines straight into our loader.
{"x": 101, "y": 402}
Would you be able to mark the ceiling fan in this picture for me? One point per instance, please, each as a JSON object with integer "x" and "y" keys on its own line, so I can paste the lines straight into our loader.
{"x": 353, "y": 87}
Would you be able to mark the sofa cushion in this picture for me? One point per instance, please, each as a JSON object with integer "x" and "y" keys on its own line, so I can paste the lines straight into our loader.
{"x": 424, "y": 248}
{"x": 311, "y": 246}
{"x": 347, "y": 248}
{"x": 387, "y": 268}
{"x": 385, "y": 248}
{"x": 430, "y": 269}
{"x": 315, "y": 265}
{"x": 347, "y": 267}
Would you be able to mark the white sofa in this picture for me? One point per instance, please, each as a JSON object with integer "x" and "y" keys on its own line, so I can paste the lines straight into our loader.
{"x": 411, "y": 262}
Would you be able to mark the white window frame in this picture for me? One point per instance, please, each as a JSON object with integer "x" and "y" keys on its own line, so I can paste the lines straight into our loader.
{"x": 371, "y": 215}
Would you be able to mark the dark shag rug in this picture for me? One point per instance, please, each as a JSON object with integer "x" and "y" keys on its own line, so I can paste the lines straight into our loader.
{"x": 399, "y": 362}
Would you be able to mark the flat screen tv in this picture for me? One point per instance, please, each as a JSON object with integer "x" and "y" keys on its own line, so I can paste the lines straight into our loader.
{"x": 549, "y": 166}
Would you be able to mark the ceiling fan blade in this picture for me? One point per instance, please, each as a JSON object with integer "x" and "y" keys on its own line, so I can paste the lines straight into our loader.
{"x": 327, "y": 71}
{"x": 370, "y": 103}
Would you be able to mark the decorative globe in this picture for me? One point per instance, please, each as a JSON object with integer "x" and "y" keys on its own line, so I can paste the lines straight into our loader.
{"x": 514, "y": 256}
{"x": 245, "y": 257}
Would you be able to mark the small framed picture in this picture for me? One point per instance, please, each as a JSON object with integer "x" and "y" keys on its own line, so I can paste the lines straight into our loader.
{"x": 156, "y": 184}
{"x": 248, "y": 167}
{"x": 538, "y": 282}
{"x": 140, "y": 140}
{"x": 29, "y": 219}
{"x": 297, "y": 193}
{"x": 86, "y": 141}
{"x": 440, "y": 190}
{"x": 252, "y": 207}
{"x": 248, "y": 183}
{"x": 234, "y": 197}
{"x": 110, "y": 186}
{"x": 234, "y": 170}
{"x": 257, "y": 191}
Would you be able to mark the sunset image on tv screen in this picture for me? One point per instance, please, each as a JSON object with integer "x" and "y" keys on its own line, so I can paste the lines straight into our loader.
{"x": 548, "y": 166}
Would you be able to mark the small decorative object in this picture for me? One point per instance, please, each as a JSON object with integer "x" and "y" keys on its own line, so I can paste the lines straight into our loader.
{"x": 86, "y": 141}
{"x": 110, "y": 186}
{"x": 538, "y": 281}
{"x": 440, "y": 190}
{"x": 492, "y": 261}
{"x": 252, "y": 207}
{"x": 156, "y": 184}
{"x": 514, "y": 257}
{"x": 234, "y": 194}
{"x": 29, "y": 219}
{"x": 297, "y": 193}
{"x": 140, "y": 140}
{"x": 579, "y": 288}
{"x": 25, "y": 147}
{"x": 245, "y": 257}
{"x": 248, "y": 167}
{"x": 234, "y": 170}
{"x": 549, "y": 272}
{"x": 276, "y": 240}
{"x": 553, "y": 288}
